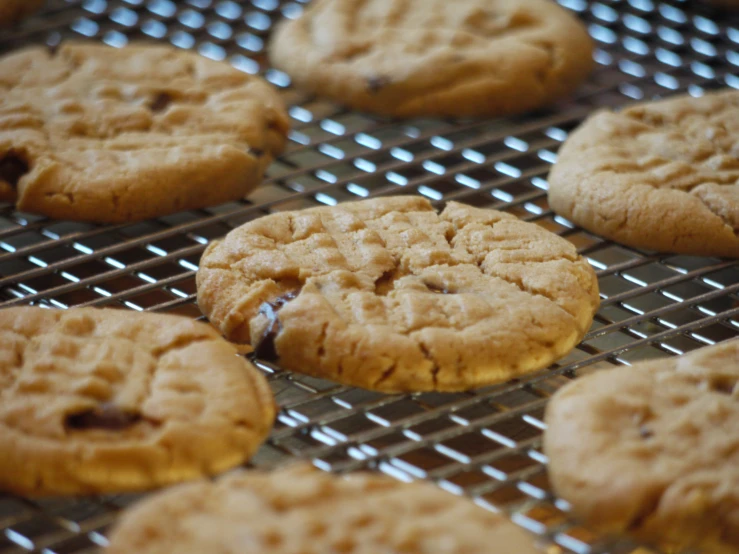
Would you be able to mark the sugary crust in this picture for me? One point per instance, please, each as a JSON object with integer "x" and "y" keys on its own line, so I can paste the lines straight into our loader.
{"x": 653, "y": 449}
{"x": 662, "y": 176}
{"x": 395, "y": 297}
{"x": 301, "y": 510}
{"x": 199, "y": 408}
{"x": 434, "y": 57}
{"x": 112, "y": 135}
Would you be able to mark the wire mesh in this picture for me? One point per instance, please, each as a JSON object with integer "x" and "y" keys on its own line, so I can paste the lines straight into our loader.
{"x": 486, "y": 443}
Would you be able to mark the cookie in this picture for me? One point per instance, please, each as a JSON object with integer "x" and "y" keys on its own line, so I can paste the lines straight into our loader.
{"x": 96, "y": 401}
{"x": 95, "y": 133}
{"x": 303, "y": 510}
{"x": 434, "y": 57}
{"x": 661, "y": 175}
{"x": 12, "y": 11}
{"x": 387, "y": 294}
{"x": 653, "y": 449}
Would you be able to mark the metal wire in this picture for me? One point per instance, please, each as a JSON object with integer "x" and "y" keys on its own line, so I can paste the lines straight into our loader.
{"x": 486, "y": 443}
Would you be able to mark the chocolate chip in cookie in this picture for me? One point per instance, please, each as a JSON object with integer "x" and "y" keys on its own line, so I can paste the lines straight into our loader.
{"x": 160, "y": 102}
{"x": 264, "y": 348}
{"x": 107, "y": 416}
{"x": 12, "y": 168}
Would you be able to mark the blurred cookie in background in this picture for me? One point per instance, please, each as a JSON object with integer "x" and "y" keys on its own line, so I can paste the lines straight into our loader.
{"x": 433, "y": 57}
{"x": 302, "y": 510}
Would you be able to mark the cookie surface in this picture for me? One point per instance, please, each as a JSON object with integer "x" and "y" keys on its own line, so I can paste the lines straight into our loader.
{"x": 653, "y": 449}
{"x": 102, "y": 134}
{"x": 433, "y": 57}
{"x": 299, "y": 510}
{"x": 386, "y": 294}
{"x": 106, "y": 401}
{"x": 12, "y": 11}
{"x": 662, "y": 176}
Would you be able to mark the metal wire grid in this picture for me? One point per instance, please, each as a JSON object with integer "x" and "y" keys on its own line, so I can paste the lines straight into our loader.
{"x": 486, "y": 443}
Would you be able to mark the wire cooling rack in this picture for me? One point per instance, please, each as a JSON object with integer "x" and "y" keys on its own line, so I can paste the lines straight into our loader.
{"x": 486, "y": 444}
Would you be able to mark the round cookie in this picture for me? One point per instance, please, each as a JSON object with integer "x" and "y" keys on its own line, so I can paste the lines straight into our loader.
{"x": 95, "y": 401}
{"x": 662, "y": 175}
{"x": 386, "y": 294}
{"x": 302, "y": 510}
{"x": 95, "y": 133}
{"x": 434, "y": 57}
{"x": 12, "y": 11}
{"x": 653, "y": 449}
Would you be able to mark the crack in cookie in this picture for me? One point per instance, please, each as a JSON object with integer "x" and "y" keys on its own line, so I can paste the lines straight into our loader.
{"x": 388, "y": 294}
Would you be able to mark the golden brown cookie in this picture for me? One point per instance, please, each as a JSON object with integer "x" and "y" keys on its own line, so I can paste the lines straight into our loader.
{"x": 302, "y": 510}
{"x": 12, "y": 11}
{"x": 653, "y": 449}
{"x": 435, "y": 57}
{"x": 661, "y": 175}
{"x": 102, "y": 134}
{"x": 98, "y": 401}
{"x": 388, "y": 294}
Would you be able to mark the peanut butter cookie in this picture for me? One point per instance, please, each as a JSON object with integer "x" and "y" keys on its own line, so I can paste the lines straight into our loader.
{"x": 96, "y": 401}
{"x": 388, "y": 294}
{"x": 653, "y": 449}
{"x": 434, "y": 57}
{"x": 101, "y": 134}
{"x": 660, "y": 175}
{"x": 302, "y": 510}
